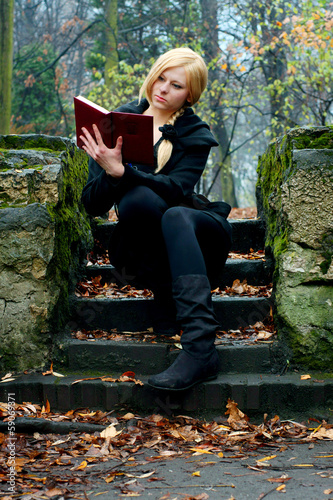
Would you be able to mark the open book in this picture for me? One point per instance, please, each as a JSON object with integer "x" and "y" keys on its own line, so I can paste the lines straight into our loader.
{"x": 135, "y": 129}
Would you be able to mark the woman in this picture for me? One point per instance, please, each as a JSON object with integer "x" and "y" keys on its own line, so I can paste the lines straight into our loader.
{"x": 171, "y": 240}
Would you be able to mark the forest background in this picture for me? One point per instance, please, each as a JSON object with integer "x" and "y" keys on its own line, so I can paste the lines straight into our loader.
{"x": 270, "y": 69}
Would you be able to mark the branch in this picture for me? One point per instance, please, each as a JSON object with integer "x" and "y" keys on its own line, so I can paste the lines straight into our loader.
{"x": 31, "y": 425}
{"x": 249, "y": 139}
{"x": 53, "y": 63}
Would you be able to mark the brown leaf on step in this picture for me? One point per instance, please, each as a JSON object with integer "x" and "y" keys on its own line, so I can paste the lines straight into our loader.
{"x": 237, "y": 419}
{"x": 122, "y": 378}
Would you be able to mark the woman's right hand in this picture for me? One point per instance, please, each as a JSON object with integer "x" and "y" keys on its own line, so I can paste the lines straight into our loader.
{"x": 109, "y": 159}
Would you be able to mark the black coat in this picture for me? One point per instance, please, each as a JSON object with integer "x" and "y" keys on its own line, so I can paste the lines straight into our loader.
{"x": 192, "y": 141}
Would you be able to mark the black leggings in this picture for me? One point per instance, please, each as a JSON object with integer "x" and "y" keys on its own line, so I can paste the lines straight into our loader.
{"x": 164, "y": 243}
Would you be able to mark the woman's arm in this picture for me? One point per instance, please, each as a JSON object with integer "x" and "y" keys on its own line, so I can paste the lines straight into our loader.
{"x": 99, "y": 193}
{"x": 176, "y": 184}
{"x": 102, "y": 190}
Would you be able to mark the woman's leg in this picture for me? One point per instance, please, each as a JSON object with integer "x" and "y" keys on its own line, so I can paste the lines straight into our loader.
{"x": 192, "y": 239}
{"x": 140, "y": 214}
{"x": 196, "y": 243}
{"x": 141, "y": 244}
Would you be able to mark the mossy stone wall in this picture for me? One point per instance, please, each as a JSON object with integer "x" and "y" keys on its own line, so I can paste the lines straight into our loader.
{"x": 295, "y": 199}
{"x": 44, "y": 234}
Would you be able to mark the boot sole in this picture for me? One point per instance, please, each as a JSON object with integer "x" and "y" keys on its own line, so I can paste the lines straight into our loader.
{"x": 170, "y": 389}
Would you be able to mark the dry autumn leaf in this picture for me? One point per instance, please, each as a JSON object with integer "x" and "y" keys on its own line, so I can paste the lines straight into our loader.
{"x": 110, "y": 432}
{"x": 237, "y": 419}
{"x": 266, "y": 458}
{"x": 323, "y": 433}
{"x": 82, "y": 465}
{"x": 278, "y": 479}
{"x": 282, "y": 487}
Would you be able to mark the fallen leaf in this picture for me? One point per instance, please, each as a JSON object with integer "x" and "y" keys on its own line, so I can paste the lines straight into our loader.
{"x": 53, "y": 492}
{"x": 196, "y": 473}
{"x": 110, "y": 431}
{"x": 237, "y": 419}
{"x": 282, "y": 487}
{"x": 128, "y": 374}
{"x": 82, "y": 465}
{"x": 266, "y": 458}
{"x": 278, "y": 479}
{"x": 109, "y": 479}
{"x": 200, "y": 451}
{"x": 305, "y": 377}
{"x": 322, "y": 433}
{"x": 128, "y": 416}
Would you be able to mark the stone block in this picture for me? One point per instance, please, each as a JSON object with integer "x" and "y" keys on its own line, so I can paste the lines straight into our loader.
{"x": 44, "y": 233}
{"x": 295, "y": 197}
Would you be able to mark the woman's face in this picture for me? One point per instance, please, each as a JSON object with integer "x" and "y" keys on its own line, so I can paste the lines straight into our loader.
{"x": 170, "y": 90}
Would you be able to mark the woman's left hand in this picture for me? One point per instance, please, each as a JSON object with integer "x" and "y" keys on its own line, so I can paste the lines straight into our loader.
{"x": 109, "y": 159}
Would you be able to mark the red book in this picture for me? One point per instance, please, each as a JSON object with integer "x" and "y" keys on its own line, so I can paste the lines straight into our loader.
{"x": 135, "y": 129}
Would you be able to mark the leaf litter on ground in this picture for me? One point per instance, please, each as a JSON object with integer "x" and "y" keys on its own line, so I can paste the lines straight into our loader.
{"x": 47, "y": 464}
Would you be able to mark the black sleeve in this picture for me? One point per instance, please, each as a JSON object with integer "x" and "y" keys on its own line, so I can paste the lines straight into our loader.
{"x": 179, "y": 182}
{"x": 101, "y": 190}
{"x": 98, "y": 195}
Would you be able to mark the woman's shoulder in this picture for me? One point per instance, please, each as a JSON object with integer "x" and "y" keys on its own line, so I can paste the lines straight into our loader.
{"x": 190, "y": 127}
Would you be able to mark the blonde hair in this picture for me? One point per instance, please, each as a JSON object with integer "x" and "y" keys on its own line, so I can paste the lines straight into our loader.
{"x": 196, "y": 79}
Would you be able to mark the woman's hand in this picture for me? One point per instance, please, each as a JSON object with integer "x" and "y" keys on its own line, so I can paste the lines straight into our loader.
{"x": 109, "y": 159}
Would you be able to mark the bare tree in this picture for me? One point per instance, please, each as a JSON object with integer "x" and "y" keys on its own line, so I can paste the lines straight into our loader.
{"x": 6, "y": 58}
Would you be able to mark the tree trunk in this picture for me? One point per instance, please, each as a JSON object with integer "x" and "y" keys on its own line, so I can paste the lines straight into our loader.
{"x": 111, "y": 53}
{"x": 224, "y": 185}
{"x": 6, "y": 62}
{"x": 274, "y": 61}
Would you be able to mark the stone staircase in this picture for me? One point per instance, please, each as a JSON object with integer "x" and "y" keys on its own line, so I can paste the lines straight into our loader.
{"x": 254, "y": 374}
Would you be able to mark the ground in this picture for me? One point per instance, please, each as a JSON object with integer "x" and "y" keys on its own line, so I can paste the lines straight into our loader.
{"x": 159, "y": 458}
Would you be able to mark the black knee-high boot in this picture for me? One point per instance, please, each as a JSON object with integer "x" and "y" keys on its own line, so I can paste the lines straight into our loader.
{"x": 198, "y": 360}
{"x": 164, "y": 311}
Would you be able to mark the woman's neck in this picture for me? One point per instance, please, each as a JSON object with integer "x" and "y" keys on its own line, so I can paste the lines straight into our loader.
{"x": 160, "y": 117}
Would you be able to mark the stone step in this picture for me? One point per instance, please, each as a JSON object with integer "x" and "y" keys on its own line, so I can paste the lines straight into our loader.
{"x": 256, "y": 394}
{"x": 247, "y": 234}
{"x": 257, "y": 272}
{"x": 135, "y": 314}
{"x": 147, "y": 358}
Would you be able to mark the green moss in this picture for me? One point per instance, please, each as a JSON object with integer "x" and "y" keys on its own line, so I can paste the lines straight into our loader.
{"x": 273, "y": 168}
{"x": 315, "y": 139}
{"x": 24, "y": 351}
{"x": 12, "y": 205}
{"x": 22, "y": 167}
{"x": 72, "y": 228}
{"x": 34, "y": 141}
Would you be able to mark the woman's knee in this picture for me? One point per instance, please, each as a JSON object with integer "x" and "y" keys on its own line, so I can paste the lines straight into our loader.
{"x": 176, "y": 218}
{"x": 139, "y": 202}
